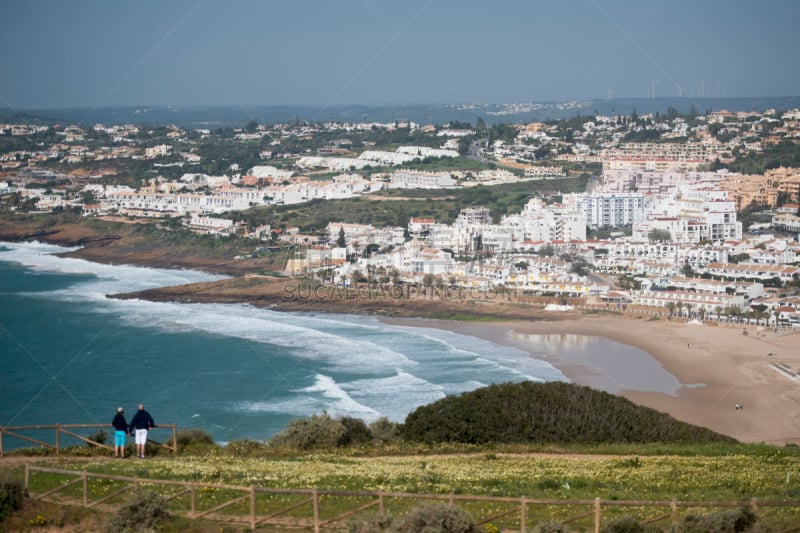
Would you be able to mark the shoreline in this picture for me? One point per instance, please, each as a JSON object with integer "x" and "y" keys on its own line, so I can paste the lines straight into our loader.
{"x": 717, "y": 367}
{"x": 732, "y": 368}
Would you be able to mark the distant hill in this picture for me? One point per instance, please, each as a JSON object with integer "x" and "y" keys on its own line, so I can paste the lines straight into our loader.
{"x": 546, "y": 413}
{"x": 221, "y": 116}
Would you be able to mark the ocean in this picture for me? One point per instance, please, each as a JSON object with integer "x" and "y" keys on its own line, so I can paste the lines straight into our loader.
{"x": 71, "y": 355}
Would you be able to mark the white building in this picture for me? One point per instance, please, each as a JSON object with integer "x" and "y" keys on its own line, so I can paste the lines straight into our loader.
{"x": 420, "y": 179}
{"x": 691, "y": 214}
{"x": 157, "y": 151}
{"x": 608, "y": 209}
{"x": 209, "y": 225}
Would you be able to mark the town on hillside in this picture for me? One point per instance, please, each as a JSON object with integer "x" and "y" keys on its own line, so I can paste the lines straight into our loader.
{"x": 695, "y": 213}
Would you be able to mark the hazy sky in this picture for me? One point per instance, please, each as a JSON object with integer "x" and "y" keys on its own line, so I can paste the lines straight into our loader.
{"x": 99, "y": 53}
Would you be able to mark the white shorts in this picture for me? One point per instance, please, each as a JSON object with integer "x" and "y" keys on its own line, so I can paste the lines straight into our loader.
{"x": 141, "y": 436}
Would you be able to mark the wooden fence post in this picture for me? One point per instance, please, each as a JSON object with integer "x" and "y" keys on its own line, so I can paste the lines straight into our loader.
{"x": 452, "y": 500}
{"x": 253, "y": 507}
{"x": 58, "y": 438}
{"x": 27, "y": 479}
{"x": 85, "y": 489}
{"x": 380, "y": 502}
{"x": 754, "y": 505}
{"x": 523, "y": 515}
{"x": 674, "y": 509}
{"x": 1, "y": 441}
{"x": 174, "y": 438}
{"x": 316, "y": 510}
{"x": 193, "y": 500}
{"x": 597, "y": 515}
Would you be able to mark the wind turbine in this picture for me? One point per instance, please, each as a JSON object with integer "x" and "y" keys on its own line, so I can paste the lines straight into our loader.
{"x": 681, "y": 88}
{"x": 653, "y": 89}
{"x": 610, "y": 94}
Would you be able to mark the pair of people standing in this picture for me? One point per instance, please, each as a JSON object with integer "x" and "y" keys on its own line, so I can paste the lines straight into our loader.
{"x": 140, "y": 424}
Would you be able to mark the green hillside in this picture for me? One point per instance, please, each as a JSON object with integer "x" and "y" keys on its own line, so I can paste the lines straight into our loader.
{"x": 546, "y": 413}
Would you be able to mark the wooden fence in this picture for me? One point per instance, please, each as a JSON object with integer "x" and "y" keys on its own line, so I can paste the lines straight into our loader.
{"x": 68, "y": 430}
{"x": 375, "y": 500}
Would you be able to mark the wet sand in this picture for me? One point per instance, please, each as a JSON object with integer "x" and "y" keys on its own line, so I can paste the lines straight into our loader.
{"x": 697, "y": 373}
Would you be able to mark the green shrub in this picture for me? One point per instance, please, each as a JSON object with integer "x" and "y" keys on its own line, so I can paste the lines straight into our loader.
{"x": 99, "y": 437}
{"x": 144, "y": 511}
{"x": 319, "y": 431}
{"x": 193, "y": 440}
{"x": 552, "y": 412}
{"x": 11, "y": 495}
{"x": 373, "y": 523}
{"x": 737, "y": 521}
{"x": 246, "y": 448}
{"x": 437, "y": 518}
{"x": 550, "y": 527}
{"x": 187, "y": 437}
{"x": 355, "y": 432}
{"x": 384, "y": 430}
{"x": 624, "y": 524}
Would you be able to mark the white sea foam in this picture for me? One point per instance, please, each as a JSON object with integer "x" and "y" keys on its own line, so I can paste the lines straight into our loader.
{"x": 394, "y": 396}
{"x": 362, "y": 367}
{"x": 108, "y": 278}
{"x": 323, "y": 395}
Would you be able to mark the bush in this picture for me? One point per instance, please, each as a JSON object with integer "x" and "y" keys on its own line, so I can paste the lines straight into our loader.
{"x": 11, "y": 495}
{"x": 187, "y": 437}
{"x": 319, "y": 431}
{"x": 355, "y": 432}
{"x": 384, "y": 430}
{"x": 246, "y": 448}
{"x": 738, "y": 521}
{"x": 99, "y": 437}
{"x": 545, "y": 412}
{"x": 193, "y": 440}
{"x": 370, "y": 524}
{"x": 624, "y": 524}
{"x": 144, "y": 511}
{"x": 551, "y": 527}
{"x": 436, "y": 518}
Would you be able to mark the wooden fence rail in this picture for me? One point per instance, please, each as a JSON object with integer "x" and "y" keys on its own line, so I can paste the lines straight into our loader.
{"x": 67, "y": 429}
{"x": 520, "y": 505}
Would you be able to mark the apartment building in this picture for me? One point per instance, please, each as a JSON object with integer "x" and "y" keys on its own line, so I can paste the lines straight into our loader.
{"x": 608, "y": 209}
{"x": 420, "y": 179}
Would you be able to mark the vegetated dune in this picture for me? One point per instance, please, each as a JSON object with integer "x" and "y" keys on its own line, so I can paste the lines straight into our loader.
{"x": 552, "y": 412}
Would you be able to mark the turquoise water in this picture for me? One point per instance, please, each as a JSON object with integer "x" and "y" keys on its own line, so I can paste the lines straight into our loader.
{"x": 71, "y": 355}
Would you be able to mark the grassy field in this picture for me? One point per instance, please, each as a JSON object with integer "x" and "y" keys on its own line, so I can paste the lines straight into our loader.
{"x": 690, "y": 473}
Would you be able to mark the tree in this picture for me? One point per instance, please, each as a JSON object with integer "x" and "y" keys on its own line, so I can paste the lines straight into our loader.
{"x": 88, "y": 197}
{"x": 659, "y": 235}
{"x": 355, "y": 277}
{"x": 428, "y": 282}
{"x": 340, "y": 240}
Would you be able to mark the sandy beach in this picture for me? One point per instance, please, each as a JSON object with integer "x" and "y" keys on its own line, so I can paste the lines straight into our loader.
{"x": 715, "y": 367}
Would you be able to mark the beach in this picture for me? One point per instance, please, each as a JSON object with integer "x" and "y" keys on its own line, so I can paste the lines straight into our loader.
{"x": 711, "y": 367}
{"x": 717, "y": 367}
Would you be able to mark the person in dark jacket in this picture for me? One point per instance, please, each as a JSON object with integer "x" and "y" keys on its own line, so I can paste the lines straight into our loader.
{"x": 120, "y": 431}
{"x": 141, "y": 423}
